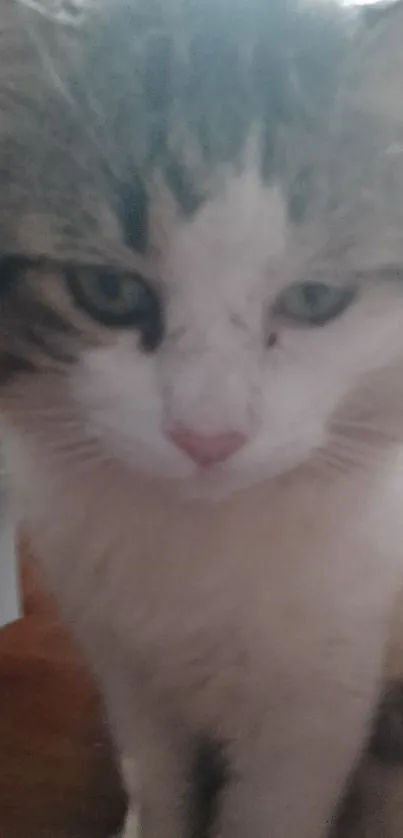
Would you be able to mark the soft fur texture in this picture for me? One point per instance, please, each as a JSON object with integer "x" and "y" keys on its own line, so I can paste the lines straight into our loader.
{"x": 219, "y": 153}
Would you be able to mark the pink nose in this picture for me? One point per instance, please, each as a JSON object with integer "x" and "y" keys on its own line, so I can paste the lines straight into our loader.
{"x": 207, "y": 450}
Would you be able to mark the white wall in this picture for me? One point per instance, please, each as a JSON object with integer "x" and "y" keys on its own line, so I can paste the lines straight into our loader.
{"x": 9, "y": 594}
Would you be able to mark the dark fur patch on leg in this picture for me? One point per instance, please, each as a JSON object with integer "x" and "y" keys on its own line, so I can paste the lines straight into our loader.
{"x": 209, "y": 775}
{"x": 349, "y": 811}
{"x": 386, "y": 744}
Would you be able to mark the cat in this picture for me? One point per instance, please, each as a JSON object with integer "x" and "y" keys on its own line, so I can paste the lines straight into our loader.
{"x": 201, "y": 378}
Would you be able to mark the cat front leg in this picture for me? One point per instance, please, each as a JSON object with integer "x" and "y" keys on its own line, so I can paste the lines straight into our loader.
{"x": 129, "y": 772}
{"x": 132, "y": 825}
{"x": 158, "y": 804}
{"x": 286, "y": 778}
{"x": 155, "y": 776}
{"x": 154, "y": 754}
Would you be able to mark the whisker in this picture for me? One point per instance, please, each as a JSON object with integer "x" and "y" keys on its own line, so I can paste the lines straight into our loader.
{"x": 357, "y": 455}
{"x": 377, "y": 430}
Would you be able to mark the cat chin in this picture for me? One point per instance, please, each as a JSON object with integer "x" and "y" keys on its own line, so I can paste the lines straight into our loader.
{"x": 213, "y": 485}
{"x": 219, "y": 485}
{"x": 209, "y": 488}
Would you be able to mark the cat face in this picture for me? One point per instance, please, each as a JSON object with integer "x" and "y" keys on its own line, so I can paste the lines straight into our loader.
{"x": 255, "y": 359}
{"x": 204, "y": 320}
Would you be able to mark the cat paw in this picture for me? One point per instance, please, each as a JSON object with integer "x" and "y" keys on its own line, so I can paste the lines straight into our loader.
{"x": 386, "y": 743}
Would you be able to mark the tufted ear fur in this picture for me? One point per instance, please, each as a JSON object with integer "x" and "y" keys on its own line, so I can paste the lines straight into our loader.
{"x": 67, "y": 12}
{"x": 373, "y": 15}
{"x": 379, "y": 63}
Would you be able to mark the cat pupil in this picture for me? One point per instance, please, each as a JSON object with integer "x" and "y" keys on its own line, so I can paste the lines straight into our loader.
{"x": 315, "y": 294}
{"x": 109, "y": 287}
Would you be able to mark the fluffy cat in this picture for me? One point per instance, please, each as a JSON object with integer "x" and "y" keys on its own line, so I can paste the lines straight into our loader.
{"x": 201, "y": 368}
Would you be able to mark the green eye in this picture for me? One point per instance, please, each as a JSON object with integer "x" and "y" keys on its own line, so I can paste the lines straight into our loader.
{"x": 313, "y": 303}
{"x": 117, "y": 299}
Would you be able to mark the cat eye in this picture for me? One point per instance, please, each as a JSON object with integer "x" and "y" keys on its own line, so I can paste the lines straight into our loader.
{"x": 313, "y": 303}
{"x": 118, "y": 299}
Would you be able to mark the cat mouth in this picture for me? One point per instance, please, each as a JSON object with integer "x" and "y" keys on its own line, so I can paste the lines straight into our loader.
{"x": 214, "y": 484}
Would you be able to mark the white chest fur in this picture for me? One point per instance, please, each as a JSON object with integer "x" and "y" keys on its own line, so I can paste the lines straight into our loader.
{"x": 287, "y": 582}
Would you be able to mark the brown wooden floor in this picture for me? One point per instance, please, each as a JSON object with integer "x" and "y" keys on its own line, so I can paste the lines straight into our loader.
{"x": 57, "y": 777}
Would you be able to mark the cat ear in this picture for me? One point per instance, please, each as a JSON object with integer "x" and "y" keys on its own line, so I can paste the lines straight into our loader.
{"x": 377, "y": 71}
{"x": 373, "y": 15}
{"x": 58, "y": 29}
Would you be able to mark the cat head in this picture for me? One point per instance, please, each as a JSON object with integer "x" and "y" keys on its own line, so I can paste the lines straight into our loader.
{"x": 202, "y": 234}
